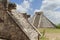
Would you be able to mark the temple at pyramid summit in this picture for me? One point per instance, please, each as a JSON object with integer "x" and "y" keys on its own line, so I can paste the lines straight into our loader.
{"x": 39, "y": 20}
{"x": 15, "y": 25}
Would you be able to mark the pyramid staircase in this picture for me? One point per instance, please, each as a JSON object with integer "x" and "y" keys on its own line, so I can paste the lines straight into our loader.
{"x": 39, "y": 20}
{"x": 31, "y": 32}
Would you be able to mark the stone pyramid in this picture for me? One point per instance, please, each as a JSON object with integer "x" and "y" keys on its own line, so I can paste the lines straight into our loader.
{"x": 41, "y": 21}
{"x": 15, "y": 26}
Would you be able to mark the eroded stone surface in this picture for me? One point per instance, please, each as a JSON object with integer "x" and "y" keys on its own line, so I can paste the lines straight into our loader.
{"x": 15, "y": 26}
{"x": 39, "y": 20}
{"x": 26, "y": 26}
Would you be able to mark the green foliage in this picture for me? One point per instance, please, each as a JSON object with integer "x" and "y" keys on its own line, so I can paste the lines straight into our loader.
{"x": 43, "y": 36}
{"x": 50, "y": 31}
{"x": 58, "y": 26}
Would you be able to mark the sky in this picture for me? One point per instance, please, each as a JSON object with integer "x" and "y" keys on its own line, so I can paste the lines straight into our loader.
{"x": 28, "y": 6}
{"x": 51, "y": 8}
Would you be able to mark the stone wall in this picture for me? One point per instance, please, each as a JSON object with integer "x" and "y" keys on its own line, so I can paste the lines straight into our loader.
{"x": 39, "y": 20}
{"x": 9, "y": 30}
{"x": 15, "y": 26}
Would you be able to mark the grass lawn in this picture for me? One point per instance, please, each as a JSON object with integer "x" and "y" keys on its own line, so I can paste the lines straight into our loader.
{"x": 49, "y": 30}
{"x": 50, "y": 33}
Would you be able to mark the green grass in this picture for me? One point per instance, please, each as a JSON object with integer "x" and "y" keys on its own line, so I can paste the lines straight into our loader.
{"x": 44, "y": 38}
{"x": 49, "y": 30}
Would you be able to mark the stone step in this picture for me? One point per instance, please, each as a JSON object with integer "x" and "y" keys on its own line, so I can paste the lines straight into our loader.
{"x": 27, "y": 28}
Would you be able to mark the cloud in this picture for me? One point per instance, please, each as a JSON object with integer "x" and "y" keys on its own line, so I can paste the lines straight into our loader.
{"x": 36, "y": 10}
{"x": 54, "y": 16}
{"x": 24, "y": 6}
{"x": 50, "y": 4}
{"x": 49, "y": 7}
{"x": 31, "y": 0}
{"x": 21, "y": 9}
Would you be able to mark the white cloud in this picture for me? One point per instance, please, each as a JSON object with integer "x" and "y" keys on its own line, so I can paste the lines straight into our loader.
{"x": 24, "y": 7}
{"x": 21, "y": 9}
{"x": 50, "y": 4}
{"x": 49, "y": 8}
{"x": 31, "y": 0}
{"x": 54, "y": 16}
{"x": 25, "y": 4}
{"x": 36, "y": 10}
